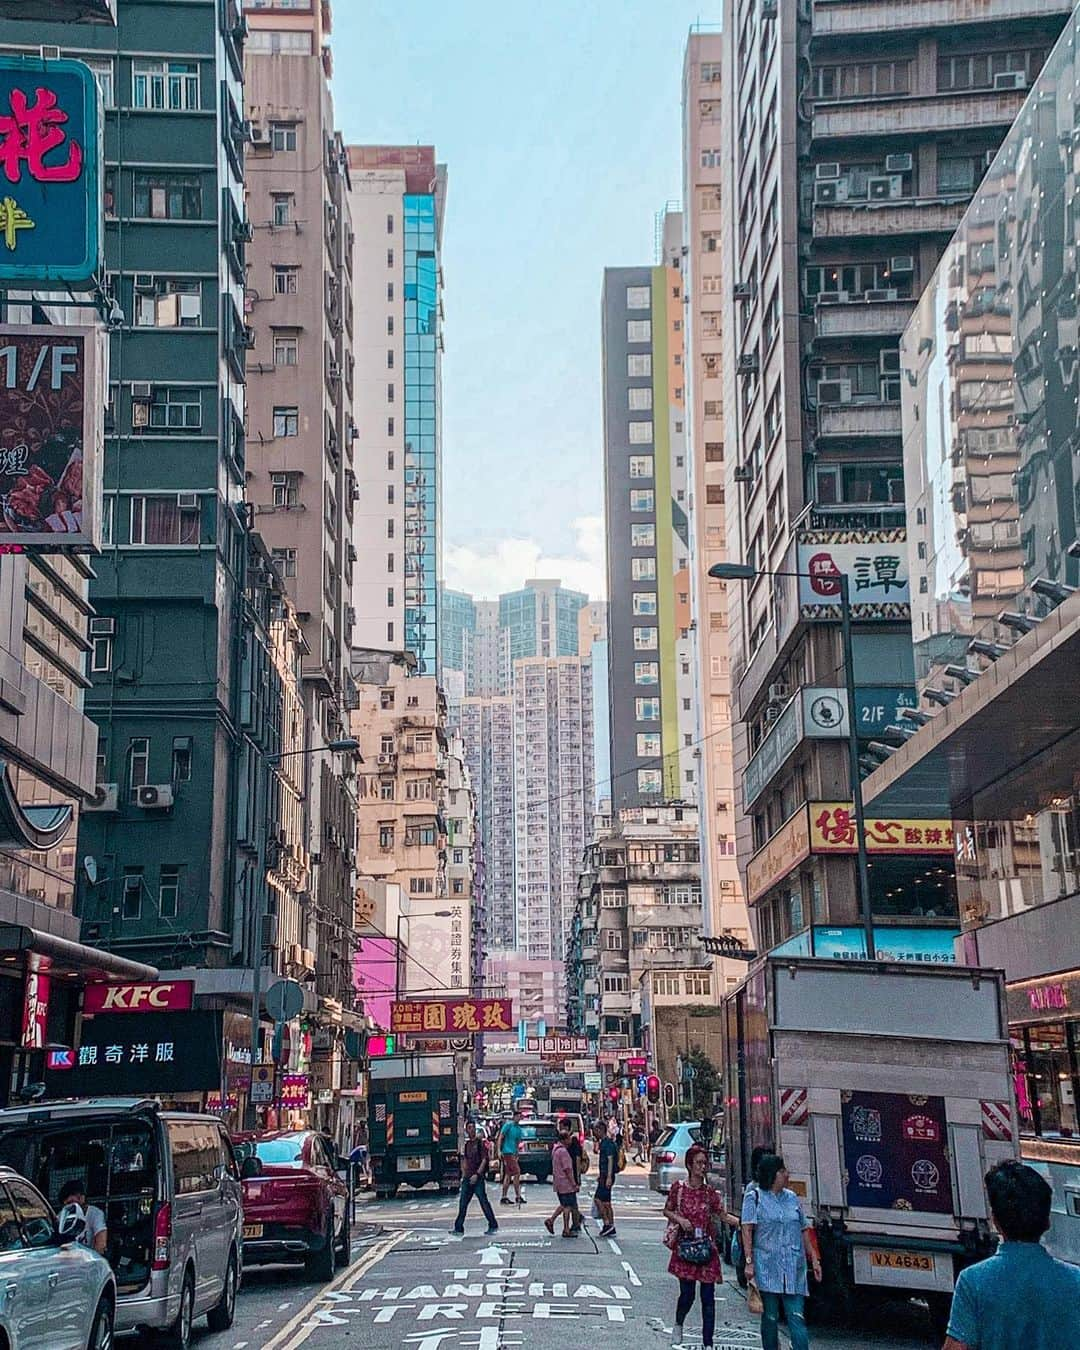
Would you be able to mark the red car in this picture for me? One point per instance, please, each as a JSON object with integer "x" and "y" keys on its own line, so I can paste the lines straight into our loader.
{"x": 296, "y": 1206}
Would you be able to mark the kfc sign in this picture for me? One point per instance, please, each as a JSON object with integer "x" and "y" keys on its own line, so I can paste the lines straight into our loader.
{"x": 176, "y": 996}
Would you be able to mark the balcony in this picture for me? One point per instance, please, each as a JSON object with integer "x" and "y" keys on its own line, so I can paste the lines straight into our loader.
{"x": 839, "y": 18}
{"x": 870, "y": 220}
{"x": 842, "y": 420}
{"x": 859, "y": 317}
{"x": 916, "y": 116}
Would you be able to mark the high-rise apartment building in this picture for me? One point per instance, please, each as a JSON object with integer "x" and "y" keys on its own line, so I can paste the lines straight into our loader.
{"x": 457, "y": 616}
{"x": 487, "y": 731}
{"x": 300, "y": 432}
{"x": 541, "y": 619}
{"x": 725, "y": 913}
{"x": 650, "y": 653}
{"x": 553, "y": 768}
{"x": 397, "y": 196}
{"x": 853, "y": 137}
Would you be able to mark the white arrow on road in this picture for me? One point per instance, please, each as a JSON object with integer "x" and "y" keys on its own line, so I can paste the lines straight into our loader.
{"x": 492, "y": 1256}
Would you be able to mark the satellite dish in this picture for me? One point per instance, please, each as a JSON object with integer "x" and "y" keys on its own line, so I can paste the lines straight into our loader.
{"x": 90, "y": 868}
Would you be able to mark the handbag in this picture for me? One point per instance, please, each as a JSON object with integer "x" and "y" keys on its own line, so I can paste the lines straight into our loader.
{"x": 695, "y": 1251}
{"x": 754, "y": 1302}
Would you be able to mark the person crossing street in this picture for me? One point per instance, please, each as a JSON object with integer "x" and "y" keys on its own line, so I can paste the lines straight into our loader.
{"x": 510, "y": 1136}
{"x": 474, "y": 1172}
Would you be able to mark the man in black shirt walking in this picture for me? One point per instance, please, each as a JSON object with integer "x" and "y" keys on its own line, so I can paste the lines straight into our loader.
{"x": 474, "y": 1170}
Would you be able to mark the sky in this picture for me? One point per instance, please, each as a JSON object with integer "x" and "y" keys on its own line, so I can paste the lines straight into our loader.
{"x": 559, "y": 124}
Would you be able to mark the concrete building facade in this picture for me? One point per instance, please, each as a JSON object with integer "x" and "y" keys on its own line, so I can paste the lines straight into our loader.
{"x": 487, "y": 732}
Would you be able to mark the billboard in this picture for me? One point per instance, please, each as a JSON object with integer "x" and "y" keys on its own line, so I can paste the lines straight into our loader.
{"x": 896, "y": 1152}
{"x": 51, "y": 434}
{"x": 875, "y": 563}
{"x": 50, "y": 172}
{"x": 832, "y": 830}
{"x": 122, "y": 1055}
{"x": 927, "y": 946}
{"x": 434, "y": 1017}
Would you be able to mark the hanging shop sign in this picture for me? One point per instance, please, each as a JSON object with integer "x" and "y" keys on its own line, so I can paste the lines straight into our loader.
{"x": 875, "y": 563}
{"x": 171, "y": 996}
{"x": 165, "y": 1052}
{"x": 832, "y": 830}
{"x": 788, "y": 847}
{"x": 294, "y": 1092}
{"x": 52, "y": 411}
{"x": 773, "y": 752}
{"x": 436, "y": 1017}
{"x": 50, "y": 172}
{"x": 557, "y": 1046}
{"x": 878, "y": 706}
{"x": 35, "y": 1002}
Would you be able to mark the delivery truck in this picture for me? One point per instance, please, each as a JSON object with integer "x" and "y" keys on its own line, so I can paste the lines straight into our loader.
{"x": 886, "y": 1089}
{"x": 413, "y": 1123}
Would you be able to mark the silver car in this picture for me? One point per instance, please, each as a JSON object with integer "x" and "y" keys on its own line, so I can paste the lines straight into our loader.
{"x": 667, "y": 1158}
{"x": 55, "y": 1293}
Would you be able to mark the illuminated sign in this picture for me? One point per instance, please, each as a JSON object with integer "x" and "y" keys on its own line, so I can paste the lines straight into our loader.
{"x": 435, "y": 1017}
{"x": 176, "y": 996}
{"x": 832, "y": 830}
{"x": 917, "y": 946}
{"x": 50, "y": 174}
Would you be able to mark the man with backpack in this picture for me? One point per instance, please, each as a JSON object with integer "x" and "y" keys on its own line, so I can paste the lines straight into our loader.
{"x": 612, "y": 1161}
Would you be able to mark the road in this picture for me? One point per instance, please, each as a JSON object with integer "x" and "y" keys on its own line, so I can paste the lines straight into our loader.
{"x": 412, "y": 1285}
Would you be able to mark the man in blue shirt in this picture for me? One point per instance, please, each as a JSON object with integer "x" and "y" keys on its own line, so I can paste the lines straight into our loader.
{"x": 1020, "y": 1298}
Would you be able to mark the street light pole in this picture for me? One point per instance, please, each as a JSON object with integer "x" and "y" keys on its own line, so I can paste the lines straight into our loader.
{"x": 861, "y": 861}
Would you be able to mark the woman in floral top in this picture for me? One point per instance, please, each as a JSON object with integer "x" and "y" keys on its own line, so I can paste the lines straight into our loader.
{"x": 694, "y": 1208}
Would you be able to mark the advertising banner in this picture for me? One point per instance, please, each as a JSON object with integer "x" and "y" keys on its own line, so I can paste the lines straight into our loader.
{"x": 832, "y": 830}
{"x": 557, "y": 1046}
{"x": 780, "y": 743}
{"x": 173, "y": 996}
{"x": 437, "y": 1016}
{"x": 50, "y": 162}
{"x": 35, "y": 1002}
{"x": 896, "y": 1152}
{"x": 120, "y": 1055}
{"x": 51, "y": 436}
{"x": 788, "y": 847}
{"x": 931, "y": 946}
{"x": 294, "y": 1092}
{"x": 876, "y": 565}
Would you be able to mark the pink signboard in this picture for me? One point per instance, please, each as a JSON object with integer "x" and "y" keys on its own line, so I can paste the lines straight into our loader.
{"x": 374, "y": 974}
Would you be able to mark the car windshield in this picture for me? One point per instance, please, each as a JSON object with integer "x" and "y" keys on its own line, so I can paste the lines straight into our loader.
{"x": 288, "y": 1151}
{"x": 544, "y": 1132}
{"x": 666, "y": 1138}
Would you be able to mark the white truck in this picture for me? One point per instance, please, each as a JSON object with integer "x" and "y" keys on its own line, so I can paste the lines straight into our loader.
{"x": 886, "y": 1089}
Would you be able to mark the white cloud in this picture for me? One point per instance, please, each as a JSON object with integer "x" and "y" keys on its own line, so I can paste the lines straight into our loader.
{"x": 490, "y": 567}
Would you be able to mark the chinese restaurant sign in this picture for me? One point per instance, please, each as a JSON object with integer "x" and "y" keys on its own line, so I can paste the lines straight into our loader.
{"x": 876, "y": 565}
{"x": 436, "y": 1017}
{"x": 557, "y": 1046}
{"x": 162, "y": 1052}
{"x": 50, "y": 174}
{"x": 832, "y": 830}
{"x": 51, "y": 434}
{"x": 788, "y": 847}
{"x": 176, "y": 996}
{"x": 895, "y": 1151}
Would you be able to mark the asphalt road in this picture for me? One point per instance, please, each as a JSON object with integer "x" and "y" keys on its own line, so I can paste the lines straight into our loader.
{"x": 413, "y": 1285}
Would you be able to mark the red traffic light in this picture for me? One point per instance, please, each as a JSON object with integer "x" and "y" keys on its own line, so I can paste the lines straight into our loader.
{"x": 613, "y": 1093}
{"x": 652, "y": 1088}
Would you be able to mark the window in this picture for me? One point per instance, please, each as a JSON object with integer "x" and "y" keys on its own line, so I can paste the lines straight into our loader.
{"x": 698, "y": 984}
{"x": 284, "y": 560}
{"x": 642, "y": 499}
{"x": 613, "y": 940}
{"x": 642, "y": 536}
{"x": 390, "y": 290}
{"x": 714, "y": 494}
{"x": 421, "y": 885}
{"x": 648, "y": 744}
{"x": 181, "y": 759}
{"x": 138, "y": 757}
{"x": 105, "y": 75}
{"x": 864, "y": 79}
{"x": 638, "y": 297}
{"x": 196, "y": 1154}
{"x": 644, "y": 602}
{"x": 174, "y": 409}
{"x": 650, "y": 782}
{"x": 389, "y": 393}
{"x": 34, "y": 1214}
{"x": 638, "y": 330}
{"x": 286, "y": 280}
{"x": 640, "y": 433}
{"x": 101, "y": 655}
{"x": 639, "y": 398}
{"x": 169, "y": 891}
{"x": 641, "y": 466}
{"x": 286, "y": 422}
{"x": 647, "y": 709}
{"x": 645, "y": 639}
{"x": 168, "y": 304}
{"x": 643, "y": 569}
{"x": 616, "y": 984}
{"x": 282, "y": 208}
{"x": 165, "y": 85}
{"x": 639, "y": 364}
{"x": 285, "y": 488}
{"x": 977, "y": 69}
{"x": 283, "y": 135}
{"x": 646, "y": 672}
{"x": 162, "y": 520}
{"x": 286, "y": 349}
{"x": 168, "y": 196}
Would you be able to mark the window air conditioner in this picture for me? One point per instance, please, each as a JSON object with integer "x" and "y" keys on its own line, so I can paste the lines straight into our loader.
{"x": 155, "y": 796}
{"x": 889, "y": 361}
{"x": 904, "y": 264}
{"x": 144, "y": 281}
{"x": 140, "y": 391}
{"x": 779, "y": 693}
{"x": 834, "y": 391}
{"x": 885, "y": 187}
{"x": 742, "y": 290}
{"x": 889, "y": 294}
{"x": 831, "y": 191}
{"x": 826, "y": 171}
{"x": 105, "y": 798}
{"x": 743, "y": 473}
{"x": 102, "y": 627}
{"x": 1010, "y": 79}
{"x": 898, "y": 163}
{"x": 748, "y": 363}
{"x": 187, "y": 501}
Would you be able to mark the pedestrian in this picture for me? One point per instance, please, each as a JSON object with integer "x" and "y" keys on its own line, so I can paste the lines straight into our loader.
{"x": 693, "y": 1209}
{"x": 1021, "y": 1298}
{"x": 564, "y": 1181}
{"x": 510, "y": 1136}
{"x": 609, "y": 1166}
{"x": 637, "y": 1138}
{"x": 474, "y": 1170}
{"x": 581, "y": 1166}
{"x": 654, "y": 1132}
{"x": 95, "y": 1234}
{"x": 777, "y": 1240}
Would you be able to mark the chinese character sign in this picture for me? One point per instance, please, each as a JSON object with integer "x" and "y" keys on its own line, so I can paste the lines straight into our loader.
{"x": 162, "y": 1052}
{"x": 51, "y": 433}
{"x": 50, "y": 171}
{"x": 451, "y": 1016}
{"x": 895, "y": 1152}
{"x": 35, "y": 1002}
{"x": 876, "y": 566}
{"x": 832, "y": 830}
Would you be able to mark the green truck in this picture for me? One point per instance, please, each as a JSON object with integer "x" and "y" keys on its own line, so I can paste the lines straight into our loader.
{"x": 414, "y": 1122}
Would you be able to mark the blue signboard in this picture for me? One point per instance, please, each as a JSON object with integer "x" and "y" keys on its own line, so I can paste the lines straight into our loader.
{"x": 877, "y": 707}
{"x": 926, "y": 946}
{"x": 50, "y": 171}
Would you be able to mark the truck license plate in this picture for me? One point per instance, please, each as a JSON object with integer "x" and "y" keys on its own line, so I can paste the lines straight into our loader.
{"x": 253, "y": 1230}
{"x": 902, "y": 1261}
{"x": 414, "y": 1164}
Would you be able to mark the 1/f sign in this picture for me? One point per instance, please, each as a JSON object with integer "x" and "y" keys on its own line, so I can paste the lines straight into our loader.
{"x": 53, "y": 360}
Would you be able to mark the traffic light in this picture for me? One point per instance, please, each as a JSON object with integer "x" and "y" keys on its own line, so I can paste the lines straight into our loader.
{"x": 652, "y": 1088}
{"x": 613, "y": 1094}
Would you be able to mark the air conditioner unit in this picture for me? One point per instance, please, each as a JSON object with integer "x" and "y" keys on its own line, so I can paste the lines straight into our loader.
{"x": 155, "y": 796}
{"x": 296, "y": 954}
{"x": 748, "y": 363}
{"x": 105, "y": 798}
{"x": 144, "y": 281}
{"x": 1010, "y": 79}
{"x": 779, "y": 693}
{"x": 307, "y": 958}
{"x": 385, "y": 760}
{"x": 743, "y": 473}
{"x": 834, "y": 297}
{"x": 890, "y": 391}
{"x": 50, "y": 53}
{"x": 742, "y": 290}
{"x": 245, "y": 231}
{"x": 826, "y": 171}
{"x": 884, "y": 187}
{"x": 102, "y": 627}
{"x": 830, "y": 192}
{"x": 132, "y": 884}
{"x": 902, "y": 264}
{"x": 889, "y": 361}
{"x": 834, "y": 391}
{"x": 899, "y": 163}
{"x": 260, "y": 135}
{"x": 890, "y": 294}
{"x": 140, "y": 391}
{"x": 187, "y": 501}
{"x": 335, "y": 370}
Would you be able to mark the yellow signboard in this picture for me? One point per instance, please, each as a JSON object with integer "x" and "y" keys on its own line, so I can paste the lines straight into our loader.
{"x": 832, "y": 830}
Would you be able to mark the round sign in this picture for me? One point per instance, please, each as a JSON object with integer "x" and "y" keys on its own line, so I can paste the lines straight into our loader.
{"x": 284, "y": 1000}
{"x": 826, "y": 712}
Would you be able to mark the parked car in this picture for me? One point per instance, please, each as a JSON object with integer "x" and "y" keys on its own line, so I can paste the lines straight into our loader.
{"x": 534, "y": 1151}
{"x": 169, "y": 1186}
{"x": 57, "y": 1293}
{"x": 667, "y": 1158}
{"x": 296, "y": 1201}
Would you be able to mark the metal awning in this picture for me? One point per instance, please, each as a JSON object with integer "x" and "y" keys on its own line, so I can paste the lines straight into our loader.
{"x": 36, "y": 827}
{"x": 86, "y": 960}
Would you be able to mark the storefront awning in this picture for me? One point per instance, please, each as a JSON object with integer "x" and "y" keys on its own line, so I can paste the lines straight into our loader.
{"x": 86, "y": 960}
{"x": 36, "y": 827}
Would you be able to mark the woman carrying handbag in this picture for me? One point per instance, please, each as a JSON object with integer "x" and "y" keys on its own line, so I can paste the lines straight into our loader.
{"x": 692, "y": 1211}
{"x": 779, "y": 1244}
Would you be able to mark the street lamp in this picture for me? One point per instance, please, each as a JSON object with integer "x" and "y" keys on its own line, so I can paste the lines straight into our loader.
{"x": 342, "y": 744}
{"x": 732, "y": 571}
{"x": 436, "y": 914}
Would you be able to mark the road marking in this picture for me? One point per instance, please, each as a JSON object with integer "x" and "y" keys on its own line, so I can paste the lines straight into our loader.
{"x": 631, "y": 1273}
{"x": 294, "y": 1332}
{"x": 282, "y": 1306}
{"x": 614, "y": 1246}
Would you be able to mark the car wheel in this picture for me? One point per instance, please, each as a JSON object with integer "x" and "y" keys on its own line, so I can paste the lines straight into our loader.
{"x": 178, "y": 1336}
{"x": 344, "y": 1251}
{"x": 320, "y": 1265}
{"x": 220, "y": 1317}
{"x": 101, "y": 1333}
